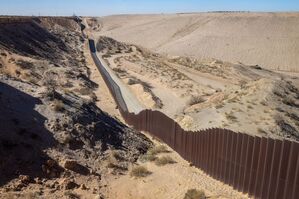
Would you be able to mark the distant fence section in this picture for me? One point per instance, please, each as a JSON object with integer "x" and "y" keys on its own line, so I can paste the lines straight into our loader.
{"x": 9, "y": 20}
{"x": 262, "y": 167}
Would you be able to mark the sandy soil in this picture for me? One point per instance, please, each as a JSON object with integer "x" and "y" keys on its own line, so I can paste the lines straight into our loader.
{"x": 267, "y": 39}
{"x": 170, "y": 181}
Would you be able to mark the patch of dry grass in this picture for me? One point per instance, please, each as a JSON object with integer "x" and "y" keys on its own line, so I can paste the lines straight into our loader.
{"x": 148, "y": 157}
{"x": 196, "y": 100}
{"x": 140, "y": 172}
{"x": 85, "y": 91}
{"x": 218, "y": 106}
{"x": 158, "y": 149}
{"x": 249, "y": 107}
{"x": 195, "y": 194}
{"x": 164, "y": 160}
{"x": 58, "y": 106}
{"x": 261, "y": 131}
{"x": 230, "y": 116}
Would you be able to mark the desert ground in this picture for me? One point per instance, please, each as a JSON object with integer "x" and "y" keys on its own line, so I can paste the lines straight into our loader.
{"x": 61, "y": 133}
{"x": 249, "y": 38}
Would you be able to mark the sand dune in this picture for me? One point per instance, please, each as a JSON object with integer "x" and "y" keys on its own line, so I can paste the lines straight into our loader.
{"x": 270, "y": 40}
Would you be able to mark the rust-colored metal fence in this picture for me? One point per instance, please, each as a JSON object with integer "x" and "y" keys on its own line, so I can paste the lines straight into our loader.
{"x": 262, "y": 167}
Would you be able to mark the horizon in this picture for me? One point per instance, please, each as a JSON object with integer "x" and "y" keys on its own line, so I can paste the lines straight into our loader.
{"x": 133, "y": 7}
{"x": 170, "y": 13}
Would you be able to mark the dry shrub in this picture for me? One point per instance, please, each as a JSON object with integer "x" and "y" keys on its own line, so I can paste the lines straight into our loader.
{"x": 71, "y": 195}
{"x": 290, "y": 102}
{"x": 195, "y": 100}
{"x": 132, "y": 82}
{"x": 148, "y": 157}
{"x": 119, "y": 70}
{"x": 115, "y": 161}
{"x": 230, "y": 116}
{"x": 164, "y": 160}
{"x": 195, "y": 194}
{"x": 25, "y": 64}
{"x": 140, "y": 171}
{"x": 58, "y": 106}
{"x": 250, "y": 107}
{"x": 218, "y": 106}
{"x": 293, "y": 116}
{"x": 261, "y": 131}
{"x": 158, "y": 149}
{"x": 118, "y": 155}
{"x": 112, "y": 163}
{"x": 85, "y": 91}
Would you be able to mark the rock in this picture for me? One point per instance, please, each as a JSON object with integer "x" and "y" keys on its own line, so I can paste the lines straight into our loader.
{"x": 38, "y": 180}
{"x": 69, "y": 184}
{"x": 100, "y": 196}
{"x": 25, "y": 179}
{"x": 76, "y": 167}
{"x": 83, "y": 187}
{"x": 70, "y": 164}
{"x": 52, "y": 169}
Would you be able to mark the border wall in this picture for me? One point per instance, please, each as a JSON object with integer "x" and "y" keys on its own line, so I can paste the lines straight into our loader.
{"x": 261, "y": 167}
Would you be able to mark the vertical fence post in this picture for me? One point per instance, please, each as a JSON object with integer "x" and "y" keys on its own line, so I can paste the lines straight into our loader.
{"x": 228, "y": 156}
{"x": 295, "y": 192}
{"x": 245, "y": 163}
{"x": 261, "y": 163}
{"x": 283, "y": 166}
{"x": 291, "y": 170}
{"x": 274, "y": 169}
{"x": 210, "y": 151}
{"x": 224, "y": 144}
{"x": 267, "y": 167}
{"x": 232, "y": 159}
{"x": 215, "y": 161}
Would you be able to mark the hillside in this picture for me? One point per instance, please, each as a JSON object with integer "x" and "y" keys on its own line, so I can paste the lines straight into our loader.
{"x": 54, "y": 140}
{"x": 201, "y": 94}
{"x": 266, "y": 39}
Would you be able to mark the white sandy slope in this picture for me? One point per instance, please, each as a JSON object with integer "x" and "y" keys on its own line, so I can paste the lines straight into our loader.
{"x": 267, "y": 39}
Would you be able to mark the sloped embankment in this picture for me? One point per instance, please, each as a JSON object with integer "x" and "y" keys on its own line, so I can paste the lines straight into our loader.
{"x": 53, "y": 138}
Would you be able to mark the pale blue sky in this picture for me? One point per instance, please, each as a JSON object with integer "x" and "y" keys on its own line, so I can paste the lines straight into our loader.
{"x": 108, "y": 7}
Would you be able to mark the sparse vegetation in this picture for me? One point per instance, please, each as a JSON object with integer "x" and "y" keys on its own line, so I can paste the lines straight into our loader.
{"x": 25, "y": 64}
{"x": 158, "y": 149}
{"x": 71, "y": 195}
{"x": 233, "y": 100}
{"x": 84, "y": 91}
{"x": 148, "y": 157}
{"x": 164, "y": 160}
{"x": 196, "y": 100}
{"x": 249, "y": 107}
{"x": 218, "y": 106}
{"x": 288, "y": 100}
{"x": 58, "y": 106}
{"x": 140, "y": 171}
{"x": 195, "y": 194}
{"x": 261, "y": 131}
{"x": 231, "y": 117}
{"x": 118, "y": 155}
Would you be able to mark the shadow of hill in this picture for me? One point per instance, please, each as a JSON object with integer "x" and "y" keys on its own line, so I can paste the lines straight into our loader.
{"x": 22, "y": 135}
{"x": 31, "y": 39}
